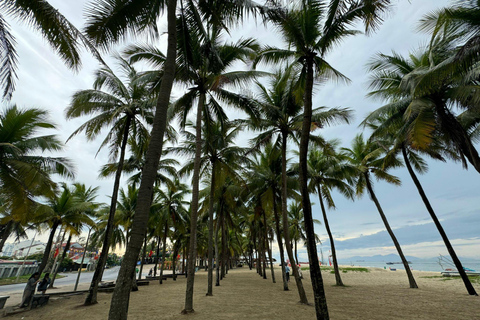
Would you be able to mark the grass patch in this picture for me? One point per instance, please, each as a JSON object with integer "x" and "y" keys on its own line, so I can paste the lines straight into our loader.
{"x": 343, "y": 270}
{"x": 22, "y": 279}
{"x": 473, "y": 279}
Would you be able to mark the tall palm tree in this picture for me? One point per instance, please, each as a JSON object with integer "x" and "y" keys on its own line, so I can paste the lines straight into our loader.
{"x": 282, "y": 110}
{"x": 367, "y": 159}
{"x": 220, "y": 157}
{"x": 297, "y": 226}
{"x": 170, "y": 205}
{"x": 327, "y": 170}
{"x": 66, "y": 211}
{"x": 118, "y": 19}
{"x": 123, "y": 107}
{"x": 40, "y": 15}
{"x": 395, "y": 142}
{"x": 24, "y": 174}
{"x": 311, "y": 29}
{"x": 418, "y": 89}
{"x": 207, "y": 74}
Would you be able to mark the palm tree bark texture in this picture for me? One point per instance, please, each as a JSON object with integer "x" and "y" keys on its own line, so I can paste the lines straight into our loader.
{"x": 121, "y": 294}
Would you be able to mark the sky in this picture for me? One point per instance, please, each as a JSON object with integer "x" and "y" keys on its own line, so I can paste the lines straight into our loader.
{"x": 44, "y": 82}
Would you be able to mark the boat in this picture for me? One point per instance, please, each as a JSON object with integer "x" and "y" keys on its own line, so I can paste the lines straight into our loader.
{"x": 409, "y": 262}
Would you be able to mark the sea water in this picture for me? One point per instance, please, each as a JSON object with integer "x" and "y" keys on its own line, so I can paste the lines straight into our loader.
{"x": 420, "y": 265}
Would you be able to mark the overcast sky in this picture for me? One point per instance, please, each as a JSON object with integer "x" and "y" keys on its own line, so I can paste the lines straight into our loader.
{"x": 44, "y": 82}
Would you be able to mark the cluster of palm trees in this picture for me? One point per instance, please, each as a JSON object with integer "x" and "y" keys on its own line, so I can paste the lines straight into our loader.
{"x": 239, "y": 195}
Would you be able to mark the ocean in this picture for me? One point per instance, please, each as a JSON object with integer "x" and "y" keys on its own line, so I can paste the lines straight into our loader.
{"x": 420, "y": 265}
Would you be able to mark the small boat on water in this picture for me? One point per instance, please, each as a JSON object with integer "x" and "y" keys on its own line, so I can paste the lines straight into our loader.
{"x": 409, "y": 262}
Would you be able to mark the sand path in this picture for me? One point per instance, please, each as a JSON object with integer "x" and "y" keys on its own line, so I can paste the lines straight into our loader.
{"x": 379, "y": 294}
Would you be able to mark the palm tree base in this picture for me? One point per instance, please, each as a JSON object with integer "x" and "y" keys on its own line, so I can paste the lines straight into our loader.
{"x": 185, "y": 311}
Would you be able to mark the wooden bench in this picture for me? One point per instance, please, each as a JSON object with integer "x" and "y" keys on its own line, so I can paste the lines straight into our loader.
{"x": 3, "y": 299}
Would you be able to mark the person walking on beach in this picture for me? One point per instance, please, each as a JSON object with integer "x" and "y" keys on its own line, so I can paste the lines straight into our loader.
{"x": 43, "y": 285}
{"x": 29, "y": 290}
{"x": 287, "y": 272}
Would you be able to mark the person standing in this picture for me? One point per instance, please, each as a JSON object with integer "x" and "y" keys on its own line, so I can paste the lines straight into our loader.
{"x": 43, "y": 285}
{"x": 287, "y": 272}
{"x": 29, "y": 289}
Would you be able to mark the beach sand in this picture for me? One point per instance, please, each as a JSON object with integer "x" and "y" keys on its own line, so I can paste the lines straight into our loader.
{"x": 243, "y": 294}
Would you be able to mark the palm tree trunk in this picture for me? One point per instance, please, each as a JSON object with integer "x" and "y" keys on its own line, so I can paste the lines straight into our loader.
{"x": 271, "y": 262}
{"x": 280, "y": 243}
{"x": 210, "y": 232}
{"x": 451, "y": 251}
{"x": 48, "y": 247}
{"x": 102, "y": 260}
{"x": 217, "y": 255}
{"x": 121, "y": 294}
{"x": 286, "y": 235}
{"x": 55, "y": 265}
{"x": 158, "y": 257}
{"x": 296, "y": 251}
{"x": 315, "y": 273}
{"x": 194, "y": 208}
{"x": 164, "y": 251}
{"x": 224, "y": 247}
{"x": 411, "y": 279}
{"x": 265, "y": 244}
{"x": 144, "y": 255}
{"x": 64, "y": 254}
{"x": 6, "y": 233}
{"x": 83, "y": 259}
{"x": 338, "y": 279}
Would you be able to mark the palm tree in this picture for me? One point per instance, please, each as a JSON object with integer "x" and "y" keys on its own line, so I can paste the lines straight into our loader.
{"x": 310, "y": 30}
{"x": 327, "y": 170}
{"x": 219, "y": 157}
{"x": 366, "y": 158}
{"x": 118, "y": 19}
{"x": 419, "y": 89}
{"x": 25, "y": 175}
{"x": 282, "y": 111}
{"x": 392, "y": 139}
{"x": 206, "y": 73}
{"x": 296, "y": 222}
{"x": 123, "y": 107}
{"x": 66, "y": 211}
{"x": 170, "y": 205}
{"x": 60, "y": 34}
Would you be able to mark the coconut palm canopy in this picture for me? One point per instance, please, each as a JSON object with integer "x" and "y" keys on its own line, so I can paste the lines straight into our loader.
{"x": 407, "y": 84}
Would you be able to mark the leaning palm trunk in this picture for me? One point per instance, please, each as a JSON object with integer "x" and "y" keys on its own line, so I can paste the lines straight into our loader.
{"x": 192, "y": 254}
{"x": 286, "y": 235}
{"x": 280, "y": 244}
{"x": 217, "y": 255}
{"x": 102, "y": 260}
{"x": 121, "y": 294}
{"x": 48, "y": 248}
{"x": 271, "y": 262}
{"x": 451, "y": 251}
{"x": 164, "y": 251}
{"x": 144, "y": 255}
{"x": 52, "y": 267}
{"x": 224, "y": 248}
{"x": 338, "y": 279}
{"x": 411, "y": 279}
{"x": 315, "y": 273}
{"x": 210, "y": 233}
{"x": 64, "y": 254}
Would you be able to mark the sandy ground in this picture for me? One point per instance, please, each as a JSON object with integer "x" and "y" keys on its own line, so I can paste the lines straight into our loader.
{"x": 243, "y": 294}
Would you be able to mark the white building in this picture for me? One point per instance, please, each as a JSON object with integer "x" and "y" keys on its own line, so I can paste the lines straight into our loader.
{"x": 20, "y": 249}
